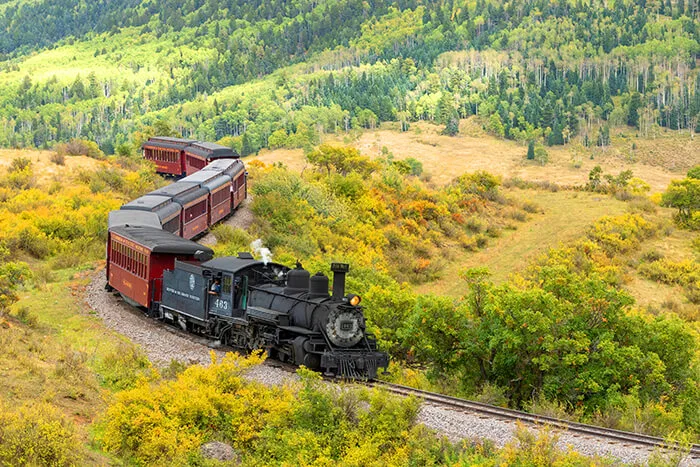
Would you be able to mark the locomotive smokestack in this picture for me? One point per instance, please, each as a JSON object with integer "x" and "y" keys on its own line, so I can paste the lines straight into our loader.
{"x": 339, "y": 271}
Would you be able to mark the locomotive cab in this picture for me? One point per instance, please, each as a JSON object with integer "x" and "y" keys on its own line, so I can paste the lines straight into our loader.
{"x": 211, "y": 298}
{"x": 227, "y": 294}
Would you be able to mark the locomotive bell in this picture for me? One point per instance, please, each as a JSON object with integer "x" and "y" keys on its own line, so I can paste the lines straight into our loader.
{"x": 297, "y": 281}
{"x": 318, "y": 286}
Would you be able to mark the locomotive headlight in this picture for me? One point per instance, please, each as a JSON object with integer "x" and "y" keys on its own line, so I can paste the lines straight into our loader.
{"x": 353, "y": 300}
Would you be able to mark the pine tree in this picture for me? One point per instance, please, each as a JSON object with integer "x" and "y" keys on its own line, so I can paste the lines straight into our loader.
{"x": 246, "y": 145}
{"x": 452, "y": 126}
{"x": 633, "y": 112}
{"x": 531, "y": 151}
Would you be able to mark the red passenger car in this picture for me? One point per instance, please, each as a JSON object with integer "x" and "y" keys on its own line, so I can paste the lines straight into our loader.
{"x": 137, "y": 257}
{"x": 195, "y": 206}
{"x": 219, "y": 187}
{"x": 235, "y": 169}
{"x": 199, "y": 154}
{"x": 168, "y": 154}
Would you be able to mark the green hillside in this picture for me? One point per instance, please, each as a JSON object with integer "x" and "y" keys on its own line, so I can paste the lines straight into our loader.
{"x": 544, "y": 71}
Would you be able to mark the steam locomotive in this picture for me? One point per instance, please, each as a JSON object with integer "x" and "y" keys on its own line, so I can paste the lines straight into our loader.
{"x": 249, "y": 304}
{"x": 238, "y": 301}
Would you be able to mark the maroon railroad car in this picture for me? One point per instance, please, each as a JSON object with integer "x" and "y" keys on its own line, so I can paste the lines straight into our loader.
{"x": 199, "y": 154}
{"x": 195, "y": 206}
{"x": 168, "y": 154}
{"x": 235, "y": 169}
{"x": 219, "y": 187}
{"x": 137, "y": 257}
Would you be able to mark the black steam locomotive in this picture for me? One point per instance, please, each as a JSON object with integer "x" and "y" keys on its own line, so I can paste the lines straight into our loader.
{"x": 249, "y": 304}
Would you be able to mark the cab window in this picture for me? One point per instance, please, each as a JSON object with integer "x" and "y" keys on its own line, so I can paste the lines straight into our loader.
{"x": 226, "y": 286}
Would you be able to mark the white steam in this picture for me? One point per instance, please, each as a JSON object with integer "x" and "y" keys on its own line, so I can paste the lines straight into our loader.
{"x": 260, "y": 250}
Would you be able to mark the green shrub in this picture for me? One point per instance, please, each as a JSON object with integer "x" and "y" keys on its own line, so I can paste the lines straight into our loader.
{"x": 80, "y": 147}
{"x": 651, "y": 256}
{"x": 516, "y": 214}
{"x": 33, "y": 241}
{"x": 474, "y": 224}
{"x": 20, "y": 164}
{"x": 25, "y": 315}
{"x": 78, "y": 252}
{"x": 20, "y": 179}
{"x": 531, "y": 207}
{"x": 124, "y": 367}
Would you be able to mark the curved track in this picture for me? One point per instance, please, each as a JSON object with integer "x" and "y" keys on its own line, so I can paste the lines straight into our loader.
{"x": 608, "y": 434}
{"x": 164, "y": 342}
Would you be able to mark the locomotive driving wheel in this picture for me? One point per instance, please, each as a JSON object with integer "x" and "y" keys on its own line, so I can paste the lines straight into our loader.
{"x": 253, "y": 339}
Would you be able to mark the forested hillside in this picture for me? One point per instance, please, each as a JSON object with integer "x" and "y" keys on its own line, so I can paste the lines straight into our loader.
{"x": 549, "y": 71}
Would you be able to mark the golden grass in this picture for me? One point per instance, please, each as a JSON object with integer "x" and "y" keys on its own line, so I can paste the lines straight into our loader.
{"x": 46, "y": 171}
{"x": 293, "y": 159}
{"x": 565, "y": 218}
{"x": 446, "y": 157}
{"x": 675, "y": 247}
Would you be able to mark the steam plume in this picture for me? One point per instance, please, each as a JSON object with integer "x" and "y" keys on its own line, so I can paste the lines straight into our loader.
{"x": 260, "y": 250}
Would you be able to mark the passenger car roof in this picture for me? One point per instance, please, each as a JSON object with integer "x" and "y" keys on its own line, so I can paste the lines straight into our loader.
{"x": 162, "y": 241}
{"x": 211, "y": 150}
{"x": 148, "y": 202}
{"x": 129, "y": 217}
{"x": 168, "y": 142}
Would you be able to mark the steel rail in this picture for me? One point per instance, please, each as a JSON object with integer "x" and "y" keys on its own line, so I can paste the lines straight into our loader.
{"x": 624, "y": 437}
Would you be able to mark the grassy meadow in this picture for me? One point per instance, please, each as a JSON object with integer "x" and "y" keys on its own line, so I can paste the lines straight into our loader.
{"x": 657, "y": 161}
{"x": 63, "y": 367}
{"x": 562, "y": 216}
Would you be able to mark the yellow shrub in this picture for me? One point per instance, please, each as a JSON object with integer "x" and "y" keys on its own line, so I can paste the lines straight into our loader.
{"x": 168, "y": 420}
{"x": 620, "y": 234}
{"x": 37, "y": 435}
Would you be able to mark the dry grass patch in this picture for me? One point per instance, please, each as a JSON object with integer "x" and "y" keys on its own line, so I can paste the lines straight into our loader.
{"x": 655, "y": 160}
{"x": 45, "y": 170}
{"x": 294, "y": 159}
{"x": 565, "y": 218}
{"x": 675, "y": 247}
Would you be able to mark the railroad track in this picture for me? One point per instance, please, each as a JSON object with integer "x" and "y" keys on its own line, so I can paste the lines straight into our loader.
{"x": 612, "y": 436}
